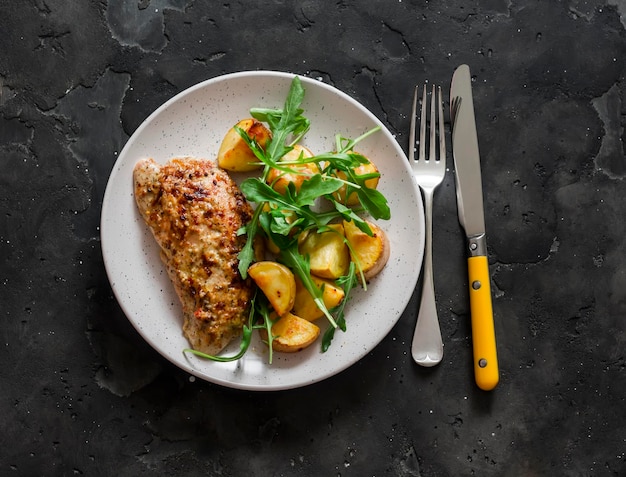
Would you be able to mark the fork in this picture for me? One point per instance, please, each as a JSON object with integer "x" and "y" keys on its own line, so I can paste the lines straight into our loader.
{"x": 427, "y": 346}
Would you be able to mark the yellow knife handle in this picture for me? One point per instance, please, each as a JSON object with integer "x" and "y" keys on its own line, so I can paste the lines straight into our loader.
{"x": 486, "y": 371}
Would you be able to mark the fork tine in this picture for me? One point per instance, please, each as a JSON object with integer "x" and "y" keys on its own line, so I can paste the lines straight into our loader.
{"x": 433, "y": 125}
{"x": 412, "y": 130}
{"x": 436, "y": 121}
{"x": 442, "y": 140}
{"x": 422, "y": 155}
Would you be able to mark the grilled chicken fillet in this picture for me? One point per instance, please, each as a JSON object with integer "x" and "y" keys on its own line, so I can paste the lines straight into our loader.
{"x": 194, "y": 210}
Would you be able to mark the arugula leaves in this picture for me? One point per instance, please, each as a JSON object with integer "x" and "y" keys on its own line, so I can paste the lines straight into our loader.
{"x": 281, "y": 217}
{"x": 347, "y": 283}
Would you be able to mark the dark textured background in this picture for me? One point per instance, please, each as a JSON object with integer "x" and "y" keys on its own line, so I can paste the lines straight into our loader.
{"x": 82, "y": 394}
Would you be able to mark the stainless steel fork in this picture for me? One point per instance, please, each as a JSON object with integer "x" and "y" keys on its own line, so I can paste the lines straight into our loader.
{"x": 427, "y": 347}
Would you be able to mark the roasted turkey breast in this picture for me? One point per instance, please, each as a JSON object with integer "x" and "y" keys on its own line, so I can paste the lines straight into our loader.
{"x": 194, "y": 210}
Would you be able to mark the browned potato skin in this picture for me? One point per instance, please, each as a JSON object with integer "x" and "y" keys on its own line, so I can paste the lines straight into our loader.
{"x": 277, "y": 282}
{"x": 353, "y": 198}
{"x": 279, "y": 180}
{"x": 292, "y": 333}
{"x": 306, "y": 308}
{"x": 371, "y": 252}
{"x": 329, "y": 256}
{"x": 235, "y": 154}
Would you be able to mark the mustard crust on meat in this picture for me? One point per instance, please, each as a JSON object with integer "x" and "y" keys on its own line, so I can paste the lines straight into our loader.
{"x": 194, "y": 210}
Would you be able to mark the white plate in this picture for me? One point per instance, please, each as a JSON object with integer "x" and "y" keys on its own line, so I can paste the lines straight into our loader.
{"x": 193, "y": 123}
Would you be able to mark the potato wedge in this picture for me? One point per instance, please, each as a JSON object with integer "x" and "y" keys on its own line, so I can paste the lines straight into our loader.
{"x": 292, "y": 333}
{"x": 277, "y": 282}
{"x": 353, "y": 198}
{"x": 328, "y": 253}
{"x": 372, "y": 253}
{"x": 235, "y": 154}
{"x": 279, "y": 180}
{"x": 306, "y": 308}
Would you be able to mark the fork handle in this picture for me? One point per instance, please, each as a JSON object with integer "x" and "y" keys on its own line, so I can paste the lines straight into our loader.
{"x": 483, "y": 331}
{"x": 427, "y": 346}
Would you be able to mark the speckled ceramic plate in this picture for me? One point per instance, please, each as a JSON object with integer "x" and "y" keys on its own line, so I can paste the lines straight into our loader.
{"x": 193, "y": 123}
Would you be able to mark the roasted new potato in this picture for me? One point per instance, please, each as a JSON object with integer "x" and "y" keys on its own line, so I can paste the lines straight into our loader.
{"x": 352, "y": 198}
{"x": 235, "y": 154}
{"x": 279, "y": 180}
{"x": 328, "y": 253}
{"x": 291, "y": 333}
{"x": 306, "y": 308}
{"x": 370, "y": 252}
{"x": 276, "y": 282}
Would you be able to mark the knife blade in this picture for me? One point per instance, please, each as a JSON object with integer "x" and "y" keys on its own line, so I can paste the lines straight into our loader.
{"x": 471, "y": 216}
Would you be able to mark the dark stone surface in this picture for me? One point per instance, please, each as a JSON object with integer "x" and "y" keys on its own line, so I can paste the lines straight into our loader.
{"x": 82, "y": 394}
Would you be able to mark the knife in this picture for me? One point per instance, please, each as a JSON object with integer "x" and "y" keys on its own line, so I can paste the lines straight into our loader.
{"x": 471, "y": 216}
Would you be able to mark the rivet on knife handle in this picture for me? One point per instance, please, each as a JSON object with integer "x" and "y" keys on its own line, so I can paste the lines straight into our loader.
{"x": 483, "y": 332}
